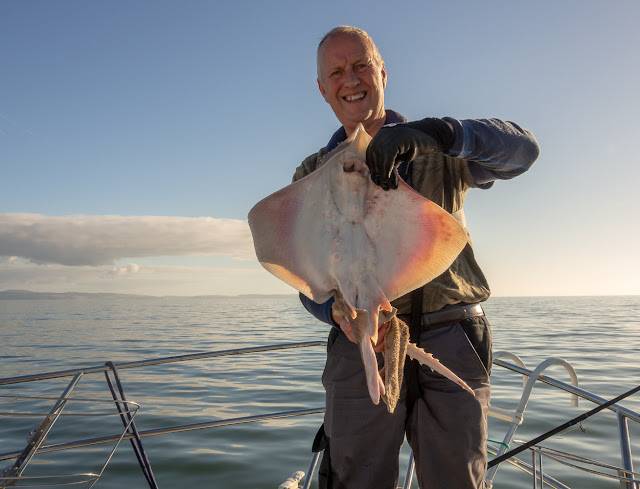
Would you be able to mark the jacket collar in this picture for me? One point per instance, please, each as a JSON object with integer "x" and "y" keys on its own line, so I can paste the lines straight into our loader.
{"x": 391, "y": 117}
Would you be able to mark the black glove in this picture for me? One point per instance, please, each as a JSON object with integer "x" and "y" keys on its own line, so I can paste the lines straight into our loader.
{"x": 404, "y": 142}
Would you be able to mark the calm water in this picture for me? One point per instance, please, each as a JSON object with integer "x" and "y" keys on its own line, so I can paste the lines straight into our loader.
{"x": 599, "y": 336}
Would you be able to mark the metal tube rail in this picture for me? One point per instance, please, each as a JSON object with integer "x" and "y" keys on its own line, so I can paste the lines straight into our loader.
{"x": 625, "y": 452}
{"x": 38, "y": 438}
{"x": 621, "y": 411}
{"x": 156, "y": 361}
{"x": 571, "y": 389}
{"x": 198, "y": 356}
{"x": 168, "y": 430}
{"x": 525, "y": 467}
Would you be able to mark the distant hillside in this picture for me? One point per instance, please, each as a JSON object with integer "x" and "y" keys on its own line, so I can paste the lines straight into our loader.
{"x": 28, "y": 295}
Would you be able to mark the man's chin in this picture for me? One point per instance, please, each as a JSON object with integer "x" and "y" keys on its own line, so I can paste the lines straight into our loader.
{"x": 359, "y": 116}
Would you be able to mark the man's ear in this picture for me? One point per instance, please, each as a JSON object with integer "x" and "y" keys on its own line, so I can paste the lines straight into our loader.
{"x": 322, "y": 90}
{"x": 383, "y": 72}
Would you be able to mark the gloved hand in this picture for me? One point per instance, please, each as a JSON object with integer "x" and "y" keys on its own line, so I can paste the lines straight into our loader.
{"x": 404, "y": 142}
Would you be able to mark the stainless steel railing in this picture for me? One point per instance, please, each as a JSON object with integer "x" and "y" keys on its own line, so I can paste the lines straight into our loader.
{"x": 13, "y": 474}
{"x": 628, "y": 478}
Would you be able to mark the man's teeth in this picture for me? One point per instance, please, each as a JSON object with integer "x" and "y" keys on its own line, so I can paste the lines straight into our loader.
{"x": 357, "y": 96}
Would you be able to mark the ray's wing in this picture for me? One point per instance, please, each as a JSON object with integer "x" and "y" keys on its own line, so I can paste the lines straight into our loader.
{"x": 289, "y": 242}
{"x": 415, "y": 239}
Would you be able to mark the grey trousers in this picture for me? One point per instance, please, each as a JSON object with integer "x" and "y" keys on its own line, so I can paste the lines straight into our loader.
{"x": 446, "y": 429}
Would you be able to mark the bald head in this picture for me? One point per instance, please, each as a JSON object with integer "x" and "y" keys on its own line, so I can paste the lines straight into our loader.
{"x": 352, "y": 78}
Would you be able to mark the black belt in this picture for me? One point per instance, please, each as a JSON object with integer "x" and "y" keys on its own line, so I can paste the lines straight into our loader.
{"x": 448, "y": 315}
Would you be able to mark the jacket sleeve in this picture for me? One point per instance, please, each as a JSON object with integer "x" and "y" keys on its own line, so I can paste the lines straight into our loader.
{"x": 494, "y": 149}
{"x": 319, "y": 311}
{"x": 308, "y": 165}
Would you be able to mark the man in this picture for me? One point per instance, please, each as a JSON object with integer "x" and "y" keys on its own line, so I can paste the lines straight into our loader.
{"x": 441, "y": 159}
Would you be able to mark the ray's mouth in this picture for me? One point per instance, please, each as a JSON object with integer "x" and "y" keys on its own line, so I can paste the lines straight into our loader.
{"x": 354, "y": 165}
{"x": 354, "y": 97}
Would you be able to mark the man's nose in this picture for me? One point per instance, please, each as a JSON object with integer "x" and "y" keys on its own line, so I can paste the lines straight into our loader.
{"x": 352, "y": 79}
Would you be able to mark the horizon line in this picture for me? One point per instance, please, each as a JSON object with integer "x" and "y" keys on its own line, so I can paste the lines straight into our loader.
{"x": 5, "y": 293}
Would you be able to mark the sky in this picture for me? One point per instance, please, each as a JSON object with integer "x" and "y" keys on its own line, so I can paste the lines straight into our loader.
{"x": 135, "y": 136}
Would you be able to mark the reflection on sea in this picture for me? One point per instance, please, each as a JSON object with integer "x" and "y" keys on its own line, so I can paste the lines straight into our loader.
{"x": 599, "y": 336}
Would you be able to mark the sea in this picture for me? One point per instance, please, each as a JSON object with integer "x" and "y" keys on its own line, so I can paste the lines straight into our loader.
{"x": 599, "y": 336}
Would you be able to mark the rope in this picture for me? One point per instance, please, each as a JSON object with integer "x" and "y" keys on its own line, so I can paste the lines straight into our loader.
{"x": 499, "y": 443}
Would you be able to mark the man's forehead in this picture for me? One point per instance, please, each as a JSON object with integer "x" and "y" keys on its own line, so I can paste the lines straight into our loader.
{"x": 343, "y": 46}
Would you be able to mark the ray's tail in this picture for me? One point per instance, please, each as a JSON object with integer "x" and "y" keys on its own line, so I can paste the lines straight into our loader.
{"x": 434, "y": 364}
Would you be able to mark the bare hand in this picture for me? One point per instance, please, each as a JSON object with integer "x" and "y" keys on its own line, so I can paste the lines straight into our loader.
{"x": 345, "y": 326}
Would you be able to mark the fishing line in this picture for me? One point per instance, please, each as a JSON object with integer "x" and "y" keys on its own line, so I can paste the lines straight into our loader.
{"x": 576, "y": 420}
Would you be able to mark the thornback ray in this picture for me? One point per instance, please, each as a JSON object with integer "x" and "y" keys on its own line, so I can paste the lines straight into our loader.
{"x": 335, "y": 233}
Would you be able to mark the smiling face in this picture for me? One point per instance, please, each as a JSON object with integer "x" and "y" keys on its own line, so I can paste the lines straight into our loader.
{"x": 352, "y": 81}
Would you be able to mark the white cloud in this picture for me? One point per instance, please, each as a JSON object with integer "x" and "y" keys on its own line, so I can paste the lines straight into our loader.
{"x": 91, "y": 254}
{"x": 7, "y": 259}
{"x": 159, "y": 280}
{"x": 99, "y": 240}
{"x": 129, "y": 269}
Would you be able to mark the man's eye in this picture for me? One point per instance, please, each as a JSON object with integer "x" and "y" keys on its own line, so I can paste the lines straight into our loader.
{"x": 335, "y": 73}
{"x": 363, "y": 66}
